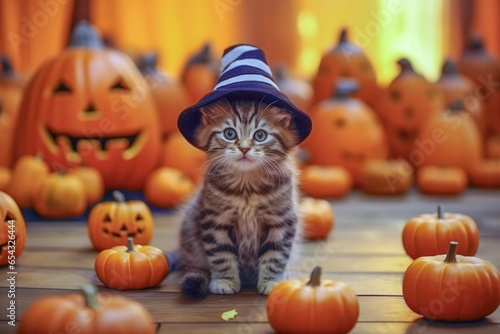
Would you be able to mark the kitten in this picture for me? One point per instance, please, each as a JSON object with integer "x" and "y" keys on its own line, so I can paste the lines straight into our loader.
{"x": 239, "y": 228}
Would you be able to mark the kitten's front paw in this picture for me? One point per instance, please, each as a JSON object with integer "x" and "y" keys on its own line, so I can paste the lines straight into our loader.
{"x": 266, "y": 287}
{"x": 224, "y": 287}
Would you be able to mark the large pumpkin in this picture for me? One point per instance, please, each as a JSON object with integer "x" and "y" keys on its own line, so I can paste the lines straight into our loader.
{"x": 409, "y": 101}
{"x": 345, "y": 60}
{"x": 10, "y": 99}
{"x": 346, "y": 132}
{"x": 12, "y": 230}
{"x": 91, "y": 106}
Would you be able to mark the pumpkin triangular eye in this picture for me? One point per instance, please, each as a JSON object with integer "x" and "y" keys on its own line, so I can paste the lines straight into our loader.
{"x": 394, "y": 95}
{"x": 90, "y": 108}
{"x": 139, "y": 217}
{"x": 107, "y": 218}
{"x": 61, "y": 87}
{"x": 120, "y": 85}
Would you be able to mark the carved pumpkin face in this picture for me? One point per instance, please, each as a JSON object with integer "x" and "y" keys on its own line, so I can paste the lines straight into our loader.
{"x": 9, "y": 211}
{"x": 410, "y": 100}
{"x": 346, "y": 133}
{"x": 91, "y": 106}
{"x": 345, "y": 60}
{"x": 111, "y": 223}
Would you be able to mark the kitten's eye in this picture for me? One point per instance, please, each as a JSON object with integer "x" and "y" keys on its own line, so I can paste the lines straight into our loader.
{"x": 230, "y": 134}
{"x": 260, "y": 135}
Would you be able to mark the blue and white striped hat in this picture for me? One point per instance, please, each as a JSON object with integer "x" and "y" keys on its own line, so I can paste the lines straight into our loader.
{"x": 244, "y": 75}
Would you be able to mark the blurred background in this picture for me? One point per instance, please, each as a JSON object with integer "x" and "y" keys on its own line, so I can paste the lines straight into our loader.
{"x": 293, "y": 32}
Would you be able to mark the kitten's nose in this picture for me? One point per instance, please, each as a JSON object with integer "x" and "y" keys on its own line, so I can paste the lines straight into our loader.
{"x": 244, "y": 150}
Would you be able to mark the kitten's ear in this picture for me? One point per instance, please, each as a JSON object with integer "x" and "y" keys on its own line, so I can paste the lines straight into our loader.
{"x": 283, "y": 119}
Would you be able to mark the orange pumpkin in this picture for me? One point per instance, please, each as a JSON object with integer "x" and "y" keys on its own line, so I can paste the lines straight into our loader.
{"x": 409, "y": 101}
{"x": 480, "y": 67}
{"x": 179, "y": 154}
{"x": 441, "y": 180}
{"x": 60, "y": 196}
{"x": 456, "y": 86}
{"x": 111, "y": 223}
{"x": 28, "y": 174}
{"x": 12, "y": 231}
{"x": 325, "y": 181}
{"x": 87, "y": 312}
{"x": 314, "y": 306}
{"x": 346, "y": 133}
{"x": 10, "y": 99}
{"x": 430, "y": 234}
{"x": 92, "y": 182}
{"x": 91, "y": 106}
{"x": 200, "y": 73}
{"x": 5, "y": 176}
{"x": 298, "y": 91}
{"x": 169, "y": 95}
{"x": 449, "y": 139}
{"x": 168, "y": 187}
{"x": 318, "y": 218}
{"x": 486, "y": 174}
{"x": 131, "y": 267}
{"x": 451, "y": 287}
{"x": 387, "y": 177}
{"x": 345, "y": 60}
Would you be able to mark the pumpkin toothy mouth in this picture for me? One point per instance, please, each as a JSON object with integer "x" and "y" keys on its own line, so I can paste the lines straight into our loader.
{"x": 123, "y": 232}
{"x": 406, "y": 135}
{"x": 4, "y": 247}
{"x": 103, "y": 141}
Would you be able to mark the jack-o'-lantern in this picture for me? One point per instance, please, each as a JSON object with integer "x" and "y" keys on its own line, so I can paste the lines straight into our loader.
{"x": 449, "y": 139}
{"x": 298, "y": 91}
{"x": 456, "y": 86}
{"x": 409, "y": 101}
{"x": 169, "y": 95}
{"x": 480, "y": 67}
{"x": 10, "y": 99}
{"x": 12, "y": 229}
{"x": 346, "y": 132}
{"x": 345, "y": 60}
{"x": 200, "y": 73}
{"x": 91, "y": 106}
{"x": 111, "y": 223}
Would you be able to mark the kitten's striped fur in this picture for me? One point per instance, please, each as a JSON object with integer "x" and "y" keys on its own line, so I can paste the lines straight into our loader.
{"x": 240, "y": 226}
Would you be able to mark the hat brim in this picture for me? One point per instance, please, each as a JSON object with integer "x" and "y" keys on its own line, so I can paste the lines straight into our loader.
{"x": 190, "y": 118}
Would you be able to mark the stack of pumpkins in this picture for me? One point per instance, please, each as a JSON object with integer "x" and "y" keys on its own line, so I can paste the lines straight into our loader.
{"x": 91, "y": 110}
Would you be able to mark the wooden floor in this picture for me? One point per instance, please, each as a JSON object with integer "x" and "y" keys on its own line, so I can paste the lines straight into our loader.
{"x": 364, "y": 250}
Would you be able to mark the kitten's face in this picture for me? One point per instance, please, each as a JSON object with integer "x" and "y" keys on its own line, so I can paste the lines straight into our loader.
{"x": 244, "y": 135}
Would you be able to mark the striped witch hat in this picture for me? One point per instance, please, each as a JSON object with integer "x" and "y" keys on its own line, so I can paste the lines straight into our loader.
{"x": 244, "y": 75}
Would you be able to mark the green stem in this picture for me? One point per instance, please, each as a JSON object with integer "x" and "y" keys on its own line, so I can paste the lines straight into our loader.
{"x": 90, "y": 294}
{"x": 451, "y": 255}
{"x": 440, "y": 213}
{"x": 118, "y": 196}
{"x": 315, "y": 279}
{"x": 130, "y": 245}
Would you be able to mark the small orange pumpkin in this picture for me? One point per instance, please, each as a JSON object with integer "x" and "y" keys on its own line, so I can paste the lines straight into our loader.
{"x": 87, "y": 312}
{"x": 12, "y": 230}
{"x": 111, "y": 223}
{"x": 387, "y": 177}
{"x": 314, "y": 306}
{"x": 179, "y": 154}
{"x": 200, "y": 73}
{"x": 325, "y": 181}
{"x": 451, "y": 287}
{"x": 92, "y": 182}
{"x": 486, "y": 173}
{"x": 28, "y": 174}
{"x": 430, "y": 234}
{"x": 61, "y": 196}
{"x": 441, "y": 180}
{"x": 318, "y": 218}
{"x": 131, "y": 267}
{"x": 168, "y": 187}
{"x": 5, "y": 176}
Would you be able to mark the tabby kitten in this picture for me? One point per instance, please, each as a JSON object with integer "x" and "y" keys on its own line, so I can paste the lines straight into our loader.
{"x": 239, "y": 228}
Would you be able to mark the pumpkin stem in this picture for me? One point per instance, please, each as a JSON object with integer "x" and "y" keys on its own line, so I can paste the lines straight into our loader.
{"x": 7, "y": 70}
{"x": 343, "y": 35}
{"x": 118, "y": 196}
{"x": 451, "y": 255}
{"x": 90, "y": 293}
{"x": 130, "y": 245}
{"x": 148, "y": 63}
{"x": 456, "y": 106}
{"x": 345, "y": 88}
{"x": 204, "y": 56}
{"x": 85, "y": 36}
{"x": 279, "y": 73}
{"x": 440, "y": 214}
{"x": 476, "y": 43}
{"x": 449, "y": 69}
{"x": 315, "y": 279}
{"x": 405, "y": 65}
